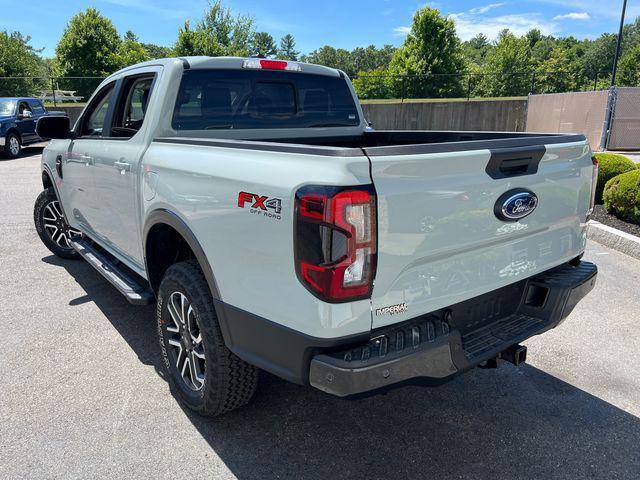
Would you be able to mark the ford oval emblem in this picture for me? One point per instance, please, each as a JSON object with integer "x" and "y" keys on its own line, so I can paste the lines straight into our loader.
{"x": 515, "y": 205}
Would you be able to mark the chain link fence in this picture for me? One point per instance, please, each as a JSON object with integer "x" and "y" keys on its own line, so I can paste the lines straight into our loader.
{"x": 65, "y": 90}
{"x": 52, "y": 90}
{"x": 484, "y": 85}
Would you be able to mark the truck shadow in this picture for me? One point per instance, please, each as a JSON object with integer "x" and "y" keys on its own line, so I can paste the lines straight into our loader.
{"x": 505, "y": 423}
{"x": 27, "y": 151}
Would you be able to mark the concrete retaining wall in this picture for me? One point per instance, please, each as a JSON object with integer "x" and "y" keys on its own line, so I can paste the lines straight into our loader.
{"x": 489, "y": 115}
{"x": 73, "y": 111}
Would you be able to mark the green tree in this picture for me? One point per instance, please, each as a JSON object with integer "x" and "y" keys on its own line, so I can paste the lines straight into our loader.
{"x": 476, "y": 49}
{"x": 333, "y": 58}
{"x": 287, "y": 49}
{"x": 218, "y": 33}
{"x": 374, "y": 83}
{"x": 157, "y": 51}
{"x": 19, "y": 59}
{"x": 263, "y": 44}
{"x": 598, "y": 57}
{"x": 131, "y": 51}
{"x": 88, "y": 45}
{"x": 555, "y": 74}
{"x": 509, "y": 67}
{"x": 371, "y": 58}
{"x": 431, "y": 56}
{"x": 534, "y": 36}
{"x": 629, "y": 68}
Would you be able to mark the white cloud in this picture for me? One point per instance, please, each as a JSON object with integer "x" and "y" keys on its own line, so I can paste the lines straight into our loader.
{"x": 486, "y": 8}
{"x": 401, "y": 31}
{"x": 468, "y": 26}
{"x": 597, "y": 8}
{"x": 573, "y": 16}
{"x": 475, "y": 21}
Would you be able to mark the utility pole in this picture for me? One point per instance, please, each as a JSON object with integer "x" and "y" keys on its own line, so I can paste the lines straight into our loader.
{"x": 615, "y": 59}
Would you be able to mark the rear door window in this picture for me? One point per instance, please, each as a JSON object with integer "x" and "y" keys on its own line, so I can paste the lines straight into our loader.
{"x": 239, "y": 99}
{"x": 132, "y": 107}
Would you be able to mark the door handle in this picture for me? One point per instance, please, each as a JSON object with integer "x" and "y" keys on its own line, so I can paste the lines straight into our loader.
{"x": 79, "y": 158}
{"x": 122, "y": 166}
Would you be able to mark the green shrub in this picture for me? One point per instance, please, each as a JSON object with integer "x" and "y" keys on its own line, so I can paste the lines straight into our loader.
{"x": 611, "y": 165}
{"x": 622, "y": 196}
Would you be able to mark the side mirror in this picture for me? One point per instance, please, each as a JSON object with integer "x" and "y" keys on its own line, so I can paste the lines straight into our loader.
{"x": 54, "y": 127}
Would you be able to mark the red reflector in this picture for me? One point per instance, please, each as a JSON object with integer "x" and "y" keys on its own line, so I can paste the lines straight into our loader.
{"x": 312, "y": 206}
{"x": 273, "y": 64}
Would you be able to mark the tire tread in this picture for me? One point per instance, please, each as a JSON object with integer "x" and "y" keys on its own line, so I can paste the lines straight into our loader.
{"x": 236, "y": 379}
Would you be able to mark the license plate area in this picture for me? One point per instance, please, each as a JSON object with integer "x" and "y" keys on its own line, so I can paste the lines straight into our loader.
{"x": 486, "y": 309}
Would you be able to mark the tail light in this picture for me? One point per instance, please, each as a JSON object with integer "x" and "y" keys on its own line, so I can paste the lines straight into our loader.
{"x": 335, "y": 241}
{"x": 594, "y": 183}
{"x": 266, "y": 64}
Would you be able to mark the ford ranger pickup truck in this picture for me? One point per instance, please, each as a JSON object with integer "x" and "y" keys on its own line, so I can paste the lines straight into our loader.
{"x": 276, "y": 230}
{"x": 18, "y": 118}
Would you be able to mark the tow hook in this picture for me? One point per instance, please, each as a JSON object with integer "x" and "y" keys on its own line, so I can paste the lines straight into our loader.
{"x": 516, "y": 354}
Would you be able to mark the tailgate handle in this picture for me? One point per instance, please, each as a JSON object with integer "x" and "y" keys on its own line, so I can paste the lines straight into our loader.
{"x": 514, "y": 162}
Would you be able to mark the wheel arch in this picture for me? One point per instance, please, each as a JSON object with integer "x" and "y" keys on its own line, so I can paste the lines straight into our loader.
{"x": 47, "y": 181}
{"x": 159, "y": 254}
{"x": 14, "y": 130}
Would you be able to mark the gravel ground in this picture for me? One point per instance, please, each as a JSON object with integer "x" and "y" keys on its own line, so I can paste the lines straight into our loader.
{"x": 602, "y": 216}
{"x": 82, "y": 393}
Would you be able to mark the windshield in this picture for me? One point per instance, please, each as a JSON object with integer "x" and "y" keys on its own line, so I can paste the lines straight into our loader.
{"x": 260, "y": 99}
{"x": 7, "y": 107}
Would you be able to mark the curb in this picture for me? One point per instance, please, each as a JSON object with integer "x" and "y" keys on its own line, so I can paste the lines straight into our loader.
{"x": 614, "y": 238}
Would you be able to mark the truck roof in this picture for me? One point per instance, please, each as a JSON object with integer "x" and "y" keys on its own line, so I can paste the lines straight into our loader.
{"x": 19, "y": 98}
{"x": 227, "y": 63}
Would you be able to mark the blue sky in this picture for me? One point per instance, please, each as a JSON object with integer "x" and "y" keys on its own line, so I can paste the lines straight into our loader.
{"x": 341, "y": 23}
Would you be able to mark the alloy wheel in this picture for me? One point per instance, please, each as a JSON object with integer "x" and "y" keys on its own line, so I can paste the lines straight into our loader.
{"x": 14, "y": 145}
{"x": 56, "y": 226}
{"x": 185, "y": 338}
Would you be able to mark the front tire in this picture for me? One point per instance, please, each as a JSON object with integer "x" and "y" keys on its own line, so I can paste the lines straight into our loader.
{"x": 203, "y": 373}
{"x": 12, "y": 146}
{"x": 51, "y": 226}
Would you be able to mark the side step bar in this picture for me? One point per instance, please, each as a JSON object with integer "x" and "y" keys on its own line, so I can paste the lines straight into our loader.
{"x": 127, "y": 286}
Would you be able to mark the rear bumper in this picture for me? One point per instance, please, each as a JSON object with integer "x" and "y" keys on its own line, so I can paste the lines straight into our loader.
{"x": 2, "y": 141}
{"x": 453, "y": 340}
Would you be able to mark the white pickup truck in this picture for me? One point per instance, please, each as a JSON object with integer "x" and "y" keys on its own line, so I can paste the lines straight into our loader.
{"x": 276, "y": 230}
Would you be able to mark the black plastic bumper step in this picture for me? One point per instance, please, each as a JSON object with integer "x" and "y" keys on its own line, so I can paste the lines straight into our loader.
{"x": 492, "y": 338}
{"x": 126, "y": 285}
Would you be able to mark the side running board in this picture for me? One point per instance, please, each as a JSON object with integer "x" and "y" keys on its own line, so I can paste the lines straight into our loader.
{"x": 126, "y": 285}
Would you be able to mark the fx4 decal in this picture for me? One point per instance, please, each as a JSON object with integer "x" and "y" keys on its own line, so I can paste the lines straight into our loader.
{"x": 261, "y": 204}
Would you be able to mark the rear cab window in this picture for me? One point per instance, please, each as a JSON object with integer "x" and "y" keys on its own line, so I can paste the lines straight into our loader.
{"x": 37, "y": 107}
{"x": 216, "y": 99}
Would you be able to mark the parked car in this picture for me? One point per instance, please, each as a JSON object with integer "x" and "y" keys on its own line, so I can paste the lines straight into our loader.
{"x": 276, "y": 231}
{"x": 18, "y": 118}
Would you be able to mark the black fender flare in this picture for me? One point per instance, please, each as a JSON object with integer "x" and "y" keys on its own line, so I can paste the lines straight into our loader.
{"x": 47, "y": 171}
{"x": 162, "y": 216}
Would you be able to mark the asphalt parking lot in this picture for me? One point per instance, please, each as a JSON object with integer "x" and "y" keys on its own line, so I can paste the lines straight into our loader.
{"x": 82, "y": 393}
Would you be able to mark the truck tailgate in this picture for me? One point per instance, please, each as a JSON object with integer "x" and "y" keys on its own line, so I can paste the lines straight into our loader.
{"x": 440, "y": 240}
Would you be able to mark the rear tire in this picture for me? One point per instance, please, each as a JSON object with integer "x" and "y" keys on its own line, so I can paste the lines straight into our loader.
{"x": 12, "y": 146}
{"x": 203, "y": 373}
{"x": 51, "y": 226}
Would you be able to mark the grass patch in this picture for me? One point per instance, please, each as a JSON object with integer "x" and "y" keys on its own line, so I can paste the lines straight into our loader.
{"x": 50, "y": 105}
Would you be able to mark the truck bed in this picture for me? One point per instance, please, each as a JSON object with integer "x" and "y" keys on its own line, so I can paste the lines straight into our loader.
{"x": 388, "y": 142}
